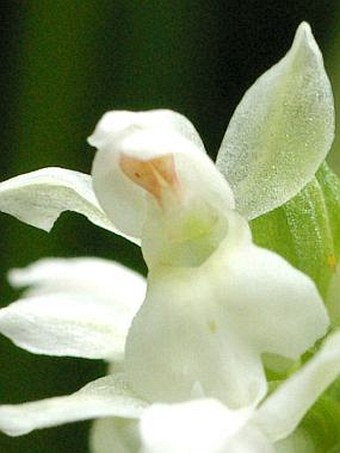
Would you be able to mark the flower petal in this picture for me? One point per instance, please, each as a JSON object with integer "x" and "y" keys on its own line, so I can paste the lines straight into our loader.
{"x": 281, "y": 131}
{"x": 77, "y": 307}
{"x": 142, "y": 137}
{"x": 64, "y": 325}
{"x": 104, "y": 397}
{"x": 239, "y": 303}
{"x": 116, "y": 123}
{"x": 283, "y": 410}
{"x": 278, "y": 307}
{"x": 38, "y": 198}
{"x": 110, "y": 282}
{"x": 205, "y": 426}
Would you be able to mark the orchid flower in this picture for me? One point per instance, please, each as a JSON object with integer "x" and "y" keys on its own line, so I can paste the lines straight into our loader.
{"x": 215, "y": 302}
{"x": 153, "y": 178}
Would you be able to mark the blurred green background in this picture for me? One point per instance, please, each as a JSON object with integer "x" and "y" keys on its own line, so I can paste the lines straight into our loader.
{"x": 63, "y": 64}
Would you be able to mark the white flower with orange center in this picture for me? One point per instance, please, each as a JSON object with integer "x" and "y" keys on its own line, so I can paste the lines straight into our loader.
{"x": 215, "y": 302}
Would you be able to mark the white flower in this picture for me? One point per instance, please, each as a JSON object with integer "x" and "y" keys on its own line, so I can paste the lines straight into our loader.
{"x": 215, "y": 302}
{"x": 210, "y": 289}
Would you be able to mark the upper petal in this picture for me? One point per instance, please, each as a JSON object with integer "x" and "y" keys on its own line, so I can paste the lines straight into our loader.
{"x": 76, "y": 307}
{"x": 105, "y": 397}
{"x": 134, "y": 139}
{"x": 281, "y": 131}
{"x": 116, "y": 123}
{"x": 38, "y": 198}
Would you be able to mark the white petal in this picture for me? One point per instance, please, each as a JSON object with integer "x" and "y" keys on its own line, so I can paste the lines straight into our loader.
{"x": 283, "y": 410}
{"x": 38, "y": 198}
{"x": 116, "y": 123}
{"x": 221, "y": 316}
{"x": 114, "y": 435}
{"x": 281, "y": 131}
{"x": 148, "y": 135}
{"x": 278, "y": 307}
{"x": 110, "y": 282}
{"x": 64, "y": 325}
{"x": 79, "y": 307}
{"x": 202, "y": 426}
{"x": 104, "y": 397}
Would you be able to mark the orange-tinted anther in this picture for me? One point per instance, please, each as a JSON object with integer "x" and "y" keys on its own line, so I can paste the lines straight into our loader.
{"x": 154, "y": 175}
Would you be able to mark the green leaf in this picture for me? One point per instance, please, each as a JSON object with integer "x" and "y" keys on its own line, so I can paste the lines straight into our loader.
{"x": 306, "y": 229}
{"x": 322, "y": 424}
{"x": 330, "y": 184}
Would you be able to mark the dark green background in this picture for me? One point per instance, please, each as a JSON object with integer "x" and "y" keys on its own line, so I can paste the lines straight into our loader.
{"x": 63, "y": 64}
